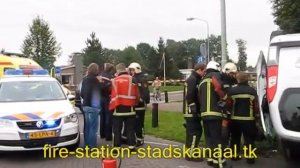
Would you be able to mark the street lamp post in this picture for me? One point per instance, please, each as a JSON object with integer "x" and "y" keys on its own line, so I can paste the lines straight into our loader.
{"x": 207, "y": 26}
{"x": 223, "y": 31}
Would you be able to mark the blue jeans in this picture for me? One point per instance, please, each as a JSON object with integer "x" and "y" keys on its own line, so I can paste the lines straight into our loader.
{"x": 91, "y": 119}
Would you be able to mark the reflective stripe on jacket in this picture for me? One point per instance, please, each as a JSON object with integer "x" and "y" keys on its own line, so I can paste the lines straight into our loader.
{"x": 124, "y": 92}
{"x": 210, "y": 93}
{"x": 243, "y": 102}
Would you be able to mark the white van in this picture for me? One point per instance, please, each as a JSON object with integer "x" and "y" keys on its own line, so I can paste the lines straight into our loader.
{"x": 278, "y": 86}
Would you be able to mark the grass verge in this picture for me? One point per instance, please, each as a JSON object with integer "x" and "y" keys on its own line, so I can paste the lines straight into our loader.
{"x": 170, "y": 126}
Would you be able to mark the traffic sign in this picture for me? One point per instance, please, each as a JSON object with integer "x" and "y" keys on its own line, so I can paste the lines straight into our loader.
{"x": 58, "y": 70}
{"x": 201, "y": 59}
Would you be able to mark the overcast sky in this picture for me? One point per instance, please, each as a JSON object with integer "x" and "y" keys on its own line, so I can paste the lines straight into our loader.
{"x": 121, "y": 23}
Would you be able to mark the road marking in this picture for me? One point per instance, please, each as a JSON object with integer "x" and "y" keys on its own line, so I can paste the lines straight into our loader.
{"x": 162, "y": 144}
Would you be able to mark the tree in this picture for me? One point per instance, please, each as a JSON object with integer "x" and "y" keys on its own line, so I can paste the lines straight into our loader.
{"x": 177, "y": 51}
{"x": 130, "y": 55}
{"x": 157, "y": 62}
{"x": 93, "y": 53}
{"x": 147, "y": 53}
{"x": 112, "y": 55}
{"x": 286, "y": 13}
{"x": 242, "y": 62}
{"x": 40, "y": 44}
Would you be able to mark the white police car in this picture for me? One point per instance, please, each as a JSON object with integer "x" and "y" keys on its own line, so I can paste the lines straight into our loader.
{"x": 278, "y": 86}
{"x": 35, "y": 111}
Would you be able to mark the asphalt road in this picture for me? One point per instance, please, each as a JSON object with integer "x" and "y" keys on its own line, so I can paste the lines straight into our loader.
{"x": 35, "y": 159}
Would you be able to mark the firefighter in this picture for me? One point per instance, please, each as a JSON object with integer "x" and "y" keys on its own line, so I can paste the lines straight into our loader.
{"x": 211, "y": 95}
{"x": 245, "y": 114}
{"x": 192, "y": 112}
{"x": 229, "y": 75}
{"x": 228, "y": 78}
{"x": 140, "y": 109}
{"x": 124, "y": 97}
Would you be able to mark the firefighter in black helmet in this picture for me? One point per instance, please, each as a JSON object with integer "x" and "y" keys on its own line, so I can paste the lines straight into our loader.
{"x": 244, "y": 103}
{"x": 211, "y": 95}
{"x": 192, "y": 111}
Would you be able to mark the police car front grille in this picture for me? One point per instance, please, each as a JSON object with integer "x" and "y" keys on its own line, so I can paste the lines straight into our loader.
{"x": 31, "y": 125}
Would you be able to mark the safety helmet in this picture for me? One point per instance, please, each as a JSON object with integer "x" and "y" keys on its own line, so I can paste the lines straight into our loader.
{"x": 213, "y": 65}
{"x": 230, "y": 68}
{"x": 136, "y": 66}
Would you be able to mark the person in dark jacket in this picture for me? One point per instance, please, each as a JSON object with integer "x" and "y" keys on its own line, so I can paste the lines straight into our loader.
{"x": 228, "y": 78}
{"x": 192, "y": 112}
{"x": 90, "y": 93}
{"x": 211, "y": 94}
{"x": 106, "y": 115}
{"x": 245, "y": 112}
{"x": 140, "y": 109}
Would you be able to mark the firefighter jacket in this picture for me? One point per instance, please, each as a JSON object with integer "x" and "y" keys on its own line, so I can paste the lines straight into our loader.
{"x": 243, "y": 102}
{"x": 124, "y": 94}
{"x": 143, "y": 87}
{"x": 210, "y": 95}
{"x": 191, "y": 98}
{"x": 227, "y": 81}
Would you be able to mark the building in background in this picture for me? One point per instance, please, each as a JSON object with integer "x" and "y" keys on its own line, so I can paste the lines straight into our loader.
{"x": 72, "y": 74}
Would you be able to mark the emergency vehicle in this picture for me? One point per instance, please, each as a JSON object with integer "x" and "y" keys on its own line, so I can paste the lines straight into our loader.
{"x": 278, "y": 87}
{"x": 35, "y": 111}
{"x": 14, "y": 62}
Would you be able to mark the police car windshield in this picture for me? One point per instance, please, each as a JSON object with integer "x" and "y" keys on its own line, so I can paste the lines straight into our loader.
{"x": 24, "y": 91}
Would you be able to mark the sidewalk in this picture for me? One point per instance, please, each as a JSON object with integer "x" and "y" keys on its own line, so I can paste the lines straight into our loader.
{"x": 170, "y": 107}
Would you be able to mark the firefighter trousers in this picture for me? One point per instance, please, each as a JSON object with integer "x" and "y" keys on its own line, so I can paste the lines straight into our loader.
{"x": 129, "y": 123}
{"x": 213, "y": 138}
{"x": 193, "y": 132}
{"x": 139, "y": 127}
{"x": 245, "y": 128}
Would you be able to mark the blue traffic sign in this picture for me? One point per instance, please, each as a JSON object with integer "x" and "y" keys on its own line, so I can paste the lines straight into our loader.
{"x": 201, "y": 59}
{"x": 57, "y": 70}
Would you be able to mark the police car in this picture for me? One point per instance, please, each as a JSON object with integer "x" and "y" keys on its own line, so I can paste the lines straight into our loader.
{"x": 34, "y": 111}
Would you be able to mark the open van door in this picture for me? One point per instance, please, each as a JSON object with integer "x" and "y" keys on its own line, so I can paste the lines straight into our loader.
{"x": 261, "y": 71}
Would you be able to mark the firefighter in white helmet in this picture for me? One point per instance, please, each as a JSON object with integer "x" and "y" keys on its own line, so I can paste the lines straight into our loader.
{"x": 229, "y": 75}
{"x": 211, "y": 94}
{"x": 228, "y": 78}
{"x": 136, "y": 71}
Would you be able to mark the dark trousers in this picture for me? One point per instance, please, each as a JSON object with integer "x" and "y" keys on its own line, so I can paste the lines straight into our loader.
{"x": 129, "y": 122}
{"x": 245, "y": 128}
{"x": 139, "y": 125}
{"x": 105, "y": 120}
{"x": 193, "y": 132}
{"x": 213, "y": 137}
{"x": 226, "y": 134}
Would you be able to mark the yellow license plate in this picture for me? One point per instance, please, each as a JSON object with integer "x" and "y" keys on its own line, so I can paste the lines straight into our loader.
{"x": 40, "y": 135}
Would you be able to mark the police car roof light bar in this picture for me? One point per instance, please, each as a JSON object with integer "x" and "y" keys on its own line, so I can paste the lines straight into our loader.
{"x": 16, "y": 72}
